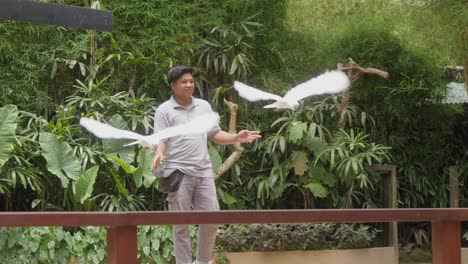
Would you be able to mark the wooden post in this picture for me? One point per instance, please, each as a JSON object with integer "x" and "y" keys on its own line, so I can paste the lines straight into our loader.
{"x": 122, "y": 245}
{"x": 446, "y": 242}
{"x": 390, "y": 196}
{"x": 453, "y": 185}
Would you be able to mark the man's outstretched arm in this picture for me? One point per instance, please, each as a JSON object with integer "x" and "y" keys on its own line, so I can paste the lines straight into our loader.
{"x": 244, "y": 136}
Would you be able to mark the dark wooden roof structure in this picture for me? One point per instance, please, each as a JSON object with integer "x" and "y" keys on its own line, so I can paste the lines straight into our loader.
{"x": 56, "y": 14}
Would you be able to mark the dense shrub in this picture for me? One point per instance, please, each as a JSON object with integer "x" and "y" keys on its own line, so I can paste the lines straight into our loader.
{"x": 265, "y": 237}
{"x": 42, "y": 245}
{"x": 406, "y": 108}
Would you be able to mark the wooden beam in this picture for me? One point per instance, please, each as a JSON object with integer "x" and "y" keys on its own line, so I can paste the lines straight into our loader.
{"x": 56, "y": 14}
{"x": 16, "y": 219}
{"x": 122, "y": 234}
{"x": 391, "y": 201}
{"x": 446, "y": 242}
{"x": 122, "y": 245}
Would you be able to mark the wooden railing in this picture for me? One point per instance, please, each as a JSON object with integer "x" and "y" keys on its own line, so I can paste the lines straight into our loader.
{"x": 122, "y": 227}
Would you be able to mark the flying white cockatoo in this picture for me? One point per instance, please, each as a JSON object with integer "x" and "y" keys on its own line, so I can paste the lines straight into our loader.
{"x": 330, "y": 82}
{"x": 198, "y": 125}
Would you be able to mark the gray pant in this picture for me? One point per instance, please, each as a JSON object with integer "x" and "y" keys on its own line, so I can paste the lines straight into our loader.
{"x": 195, "y": 193}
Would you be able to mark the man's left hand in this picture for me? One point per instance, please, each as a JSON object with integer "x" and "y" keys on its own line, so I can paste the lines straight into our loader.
{"x": 246, "y": 136}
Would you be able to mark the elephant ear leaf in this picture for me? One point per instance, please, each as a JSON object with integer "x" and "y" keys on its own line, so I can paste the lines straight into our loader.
{"x": 216, "y": 160}
{"x": 145, "y": 159}
{"x": 85, "y": 184}
{"x": 60, "y": 158}
{"x": 116, "y": 146}
{"x": 8, "y": 123}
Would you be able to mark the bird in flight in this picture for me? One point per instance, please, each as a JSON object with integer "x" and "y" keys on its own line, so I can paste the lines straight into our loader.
{"x": 198, "y": 125}
{"x": 330, "y": 82}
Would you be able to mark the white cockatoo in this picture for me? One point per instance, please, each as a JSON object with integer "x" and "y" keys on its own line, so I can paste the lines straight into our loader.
{"x": 330, "y": 82}
{"x": 198, "y": 125}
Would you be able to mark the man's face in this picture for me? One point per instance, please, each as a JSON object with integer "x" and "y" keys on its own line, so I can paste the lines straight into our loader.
{"x": 184, "y": 86}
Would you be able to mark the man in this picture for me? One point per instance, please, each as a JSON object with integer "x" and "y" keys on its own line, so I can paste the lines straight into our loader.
{"x": 190, "y": 155}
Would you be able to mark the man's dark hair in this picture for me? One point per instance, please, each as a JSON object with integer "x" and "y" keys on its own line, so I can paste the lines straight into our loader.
{"x": 175, "y": 73}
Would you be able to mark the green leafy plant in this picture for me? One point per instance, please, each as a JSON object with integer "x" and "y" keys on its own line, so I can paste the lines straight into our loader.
{"x": 349, "y": 156}
{"x": 267, "y": 237}
{"x": 229, "y": 52}
{"x": 8, "y": 123}
{"x": 43, "y": 245}
{"x": 48, "y": 244}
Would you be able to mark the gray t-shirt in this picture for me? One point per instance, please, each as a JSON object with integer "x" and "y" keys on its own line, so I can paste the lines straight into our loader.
{"x": 187, "y": 153}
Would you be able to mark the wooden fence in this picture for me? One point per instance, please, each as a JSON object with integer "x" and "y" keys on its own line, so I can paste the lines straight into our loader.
{"x": 122, "y": 226}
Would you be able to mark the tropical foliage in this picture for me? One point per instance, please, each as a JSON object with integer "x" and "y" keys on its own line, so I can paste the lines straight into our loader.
{"x": 52, "y": 76}
{"x": 87, "y": 244}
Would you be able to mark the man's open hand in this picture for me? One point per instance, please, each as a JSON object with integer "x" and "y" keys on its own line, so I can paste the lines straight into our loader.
{"x": 246, "y": 136}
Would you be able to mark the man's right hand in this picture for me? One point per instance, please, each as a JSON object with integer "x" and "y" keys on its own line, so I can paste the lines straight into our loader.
{"x": 158, "y": 159}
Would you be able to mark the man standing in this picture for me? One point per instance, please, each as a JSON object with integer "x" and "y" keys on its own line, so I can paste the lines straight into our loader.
{"x": 189, "y": 154}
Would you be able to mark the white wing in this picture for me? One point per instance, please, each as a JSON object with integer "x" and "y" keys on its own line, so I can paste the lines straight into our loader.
{"x": 327, "y": 83}
{"x": 253, "y": 94}
{"x": 102, "y": 130}
{"x": 199, "y": 125}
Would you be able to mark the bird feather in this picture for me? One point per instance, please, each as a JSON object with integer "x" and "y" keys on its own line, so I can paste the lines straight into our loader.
{"x": 327, "y": 83}
{"x": 198, "y": 125}
{"x": 253, "y": 94}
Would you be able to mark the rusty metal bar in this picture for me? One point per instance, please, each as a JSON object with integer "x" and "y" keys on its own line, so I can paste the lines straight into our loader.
{"x": 446, "y": 242}
{"x": 11, "y": 219}
{"x": 122, "y": 245}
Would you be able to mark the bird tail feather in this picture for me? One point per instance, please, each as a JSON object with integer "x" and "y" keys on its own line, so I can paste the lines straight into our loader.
{"x": 132, "y": 143}
{"x": 273, "y": 105}
{"x": 278, "y": 105}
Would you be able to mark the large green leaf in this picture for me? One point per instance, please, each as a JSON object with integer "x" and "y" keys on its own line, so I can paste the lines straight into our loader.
{"x": 84, "y": 185}
{"x": 296, "y": 131}
{"x": 317, "y": 173}
{"x": 60, "y": 158}
{"x": 226, "y": 197}
{"x": 145, "y": 159}
{"x": 129, "y": 169}
{"x": 150, "y": 180}
{"x": 299, "y": 162}
{"x": 317, "y": 189}
{"x": 119, "y": 183}
{"x": 216, "y": 160}
{"x": 116, "y": 146}
{"x": 8, "y": 122}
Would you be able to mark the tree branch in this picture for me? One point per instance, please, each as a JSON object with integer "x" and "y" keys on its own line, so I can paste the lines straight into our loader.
{"x": 235, "y": 156}
{"x": 354, "y": 71}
